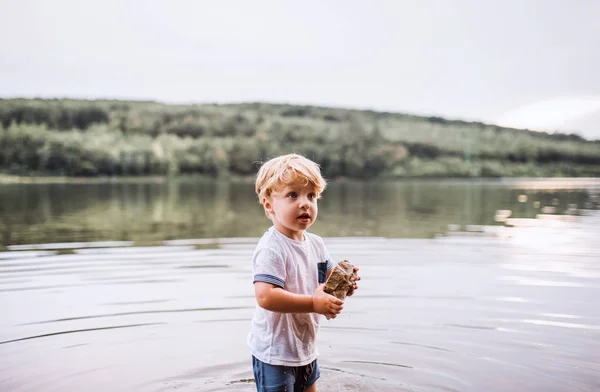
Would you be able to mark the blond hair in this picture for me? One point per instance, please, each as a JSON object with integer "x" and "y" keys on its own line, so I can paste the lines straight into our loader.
{"x": 288, "y": 169}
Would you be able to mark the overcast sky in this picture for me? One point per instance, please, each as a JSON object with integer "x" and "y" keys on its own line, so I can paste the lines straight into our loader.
{"x": 524, "y": 63}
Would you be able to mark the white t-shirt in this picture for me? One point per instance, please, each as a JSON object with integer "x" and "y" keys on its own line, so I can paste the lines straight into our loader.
{"x": 299, "y": 267}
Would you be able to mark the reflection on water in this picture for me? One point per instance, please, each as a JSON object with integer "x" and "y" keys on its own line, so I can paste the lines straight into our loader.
{"x": 485, "y": 304}
{"x": 179, "y": 209}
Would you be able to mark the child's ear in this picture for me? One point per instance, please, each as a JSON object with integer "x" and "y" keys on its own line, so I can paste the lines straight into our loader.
{"x": 267, "y": 204}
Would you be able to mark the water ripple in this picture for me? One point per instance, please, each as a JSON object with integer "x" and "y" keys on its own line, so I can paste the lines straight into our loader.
{"x": 471, "y": 326}
{"x": 421, "y": 345}
{"x": 381, "y": 363}
{"x": 352, "y": 373}
{"x": 77, "y": 331}
{"x": 139, "y": 312}
{"x": 562, "y": 324}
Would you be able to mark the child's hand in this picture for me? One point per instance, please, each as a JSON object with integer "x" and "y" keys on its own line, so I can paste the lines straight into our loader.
{"x": 354, "y": 284}
{"x": 326, "y": 304}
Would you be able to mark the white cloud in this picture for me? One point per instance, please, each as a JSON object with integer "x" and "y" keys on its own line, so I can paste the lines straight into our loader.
{"x": 556, "y": 114}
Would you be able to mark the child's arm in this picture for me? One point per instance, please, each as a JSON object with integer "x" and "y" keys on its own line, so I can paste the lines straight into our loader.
{"x": 276, "y": 299}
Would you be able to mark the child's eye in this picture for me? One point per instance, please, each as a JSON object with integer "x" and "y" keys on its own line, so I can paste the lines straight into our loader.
{"x": 292, "y": 195}
{"x": 311, "y": 196}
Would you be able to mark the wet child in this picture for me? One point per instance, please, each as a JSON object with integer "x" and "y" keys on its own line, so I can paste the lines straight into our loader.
{"x": 290, "y": 266}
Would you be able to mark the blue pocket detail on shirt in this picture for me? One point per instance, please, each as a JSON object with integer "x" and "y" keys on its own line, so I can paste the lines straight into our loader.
{"x": 322, "y": 271}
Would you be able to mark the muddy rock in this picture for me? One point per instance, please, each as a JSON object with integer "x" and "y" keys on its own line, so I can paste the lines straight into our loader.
{"x": 339, "y": 283}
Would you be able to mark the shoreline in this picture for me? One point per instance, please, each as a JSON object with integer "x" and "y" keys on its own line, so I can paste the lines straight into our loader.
{"x": 38, "y": 179}
{"x": 16, "y": 179}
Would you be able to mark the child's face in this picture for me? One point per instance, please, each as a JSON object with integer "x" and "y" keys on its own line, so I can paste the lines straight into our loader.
{"x": 293, "y": 209}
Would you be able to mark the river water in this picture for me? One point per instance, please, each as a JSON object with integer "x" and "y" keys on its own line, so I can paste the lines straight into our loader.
{"x": 471, "y": 300}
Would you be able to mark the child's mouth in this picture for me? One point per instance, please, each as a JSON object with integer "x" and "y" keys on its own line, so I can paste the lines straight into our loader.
{"x": 304, "y": 217}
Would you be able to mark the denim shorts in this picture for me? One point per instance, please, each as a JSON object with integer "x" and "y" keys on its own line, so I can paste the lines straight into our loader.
{"x": 274, "y": 378}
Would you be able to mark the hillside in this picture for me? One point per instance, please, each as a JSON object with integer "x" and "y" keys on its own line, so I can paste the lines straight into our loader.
{"x": 108, "y": 138}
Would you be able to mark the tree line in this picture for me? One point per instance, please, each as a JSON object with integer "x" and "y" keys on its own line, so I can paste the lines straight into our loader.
{"x": 115, "y": 138}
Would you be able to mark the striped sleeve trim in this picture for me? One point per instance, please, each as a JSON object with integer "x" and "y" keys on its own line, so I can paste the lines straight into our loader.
{"x": 329, "y": 265}
{"x": 268, "y": 279}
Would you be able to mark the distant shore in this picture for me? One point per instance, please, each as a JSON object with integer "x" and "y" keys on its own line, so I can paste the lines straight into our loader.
{"x": 524, "y": 182}
{"x": 12, "y": 179}
{"x": 41, "y": 179}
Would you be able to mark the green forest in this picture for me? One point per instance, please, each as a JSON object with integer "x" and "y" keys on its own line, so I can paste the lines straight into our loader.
{"x": 83, "y": 138}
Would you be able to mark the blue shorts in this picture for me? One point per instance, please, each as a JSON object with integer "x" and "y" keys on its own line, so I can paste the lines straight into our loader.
{"x": 274, "y": 378}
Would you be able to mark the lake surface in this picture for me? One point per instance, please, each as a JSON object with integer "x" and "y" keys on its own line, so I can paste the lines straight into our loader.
{"x": 455, "y": 295}
{"x": 156, "y": 211}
